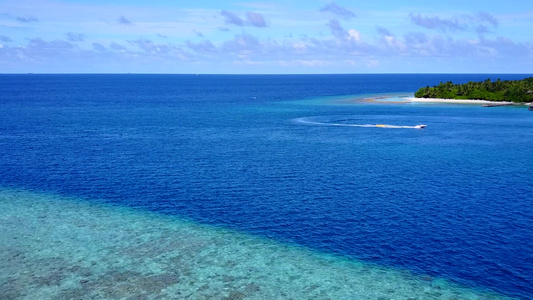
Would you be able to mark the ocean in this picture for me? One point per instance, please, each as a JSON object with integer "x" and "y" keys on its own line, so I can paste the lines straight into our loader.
{"x": 261, "y": 187}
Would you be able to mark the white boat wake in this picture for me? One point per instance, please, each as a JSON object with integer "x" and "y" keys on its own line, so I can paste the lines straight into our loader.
{"x": 309, "y": 121}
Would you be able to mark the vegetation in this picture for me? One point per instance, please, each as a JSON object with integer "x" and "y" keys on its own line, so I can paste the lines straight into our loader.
{"x": 509, "y": 90}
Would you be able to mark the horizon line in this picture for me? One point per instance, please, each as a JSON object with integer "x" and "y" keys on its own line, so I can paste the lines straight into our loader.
{"x": 262, "y": 74}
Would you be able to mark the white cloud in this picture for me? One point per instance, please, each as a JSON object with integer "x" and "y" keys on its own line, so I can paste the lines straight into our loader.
{"x": 354, "y": 35}
{"x": 299, "y": 47}
{"x": 266, "y": 34}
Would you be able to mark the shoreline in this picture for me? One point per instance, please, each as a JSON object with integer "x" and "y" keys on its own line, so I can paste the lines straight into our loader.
{"x": 459, "y": 101}
{"x": 407, "y": 100}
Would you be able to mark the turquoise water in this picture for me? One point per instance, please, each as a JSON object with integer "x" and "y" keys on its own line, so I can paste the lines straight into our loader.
{"x": 277, "y": 166}
{"x": 65, "y": 248}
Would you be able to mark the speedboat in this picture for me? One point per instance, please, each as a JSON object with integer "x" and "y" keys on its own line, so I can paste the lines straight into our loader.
{"x": 420, "y": 126}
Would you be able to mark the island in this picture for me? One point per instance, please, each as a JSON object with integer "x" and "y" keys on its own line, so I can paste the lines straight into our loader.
{"x": 516, "y": 91}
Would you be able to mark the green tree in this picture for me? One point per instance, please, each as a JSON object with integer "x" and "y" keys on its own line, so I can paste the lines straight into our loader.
{"x": 509, "y": 90}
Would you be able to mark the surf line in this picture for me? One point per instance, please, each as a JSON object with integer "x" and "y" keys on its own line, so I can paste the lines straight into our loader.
{"x": 309, "y": 122}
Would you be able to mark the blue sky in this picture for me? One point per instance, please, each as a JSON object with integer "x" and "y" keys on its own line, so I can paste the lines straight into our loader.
{"x": 119, "y": 36}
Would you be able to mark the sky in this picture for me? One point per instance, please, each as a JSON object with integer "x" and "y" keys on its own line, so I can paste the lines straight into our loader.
{"x": 266, "y": 37}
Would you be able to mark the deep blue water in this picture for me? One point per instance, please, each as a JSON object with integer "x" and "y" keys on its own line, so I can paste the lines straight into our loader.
{"x": 453, "y": 200}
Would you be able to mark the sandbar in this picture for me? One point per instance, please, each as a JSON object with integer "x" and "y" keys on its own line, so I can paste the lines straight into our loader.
{"x": 384, "y": 99}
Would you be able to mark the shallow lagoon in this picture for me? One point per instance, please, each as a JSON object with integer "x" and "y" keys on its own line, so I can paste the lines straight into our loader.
{"x": 63, "y": 248}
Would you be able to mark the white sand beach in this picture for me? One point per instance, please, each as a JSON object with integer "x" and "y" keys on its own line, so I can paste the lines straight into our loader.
{"x": 406, "y": 100}
{"x": 456, "y": 101}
